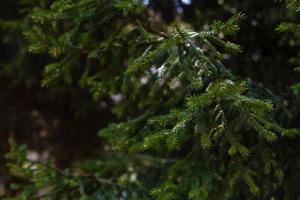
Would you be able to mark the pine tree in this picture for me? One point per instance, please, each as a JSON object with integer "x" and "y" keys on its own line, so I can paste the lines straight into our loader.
{"x": 186, "y": 127}
{"x": 293, "y": 29}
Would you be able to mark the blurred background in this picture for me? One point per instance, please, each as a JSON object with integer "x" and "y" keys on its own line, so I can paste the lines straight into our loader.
{"x": 61, "y": 122}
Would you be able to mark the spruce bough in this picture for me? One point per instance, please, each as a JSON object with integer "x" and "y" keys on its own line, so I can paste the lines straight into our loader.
{"x": 186, "y": 128}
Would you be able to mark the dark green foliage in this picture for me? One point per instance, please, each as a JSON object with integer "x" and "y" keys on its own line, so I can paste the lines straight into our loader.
{"x": 185, "y": 126}
{"x": 292, "y": 28}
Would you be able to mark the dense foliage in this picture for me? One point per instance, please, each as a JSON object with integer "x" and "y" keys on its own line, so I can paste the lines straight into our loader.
{"x": 186, "y": 106}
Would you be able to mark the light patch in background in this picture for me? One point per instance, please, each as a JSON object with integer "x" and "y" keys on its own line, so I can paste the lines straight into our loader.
{"x": 144, "y": 80}
{"x": 133, "y": 177}
{"x": 179, "y": 10}
{"x": 146, "y": 2}
{"x": 220, "y": 2}
{"x": 32, "y": 155}
{"x": 175, "y": 83}
{"x": 161, "y": 71}
{"x": 117, "y": 98}
{"x": 254, "y": 23}
{"x": 255, "y": 57}
{"x": 186, "y": 2}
